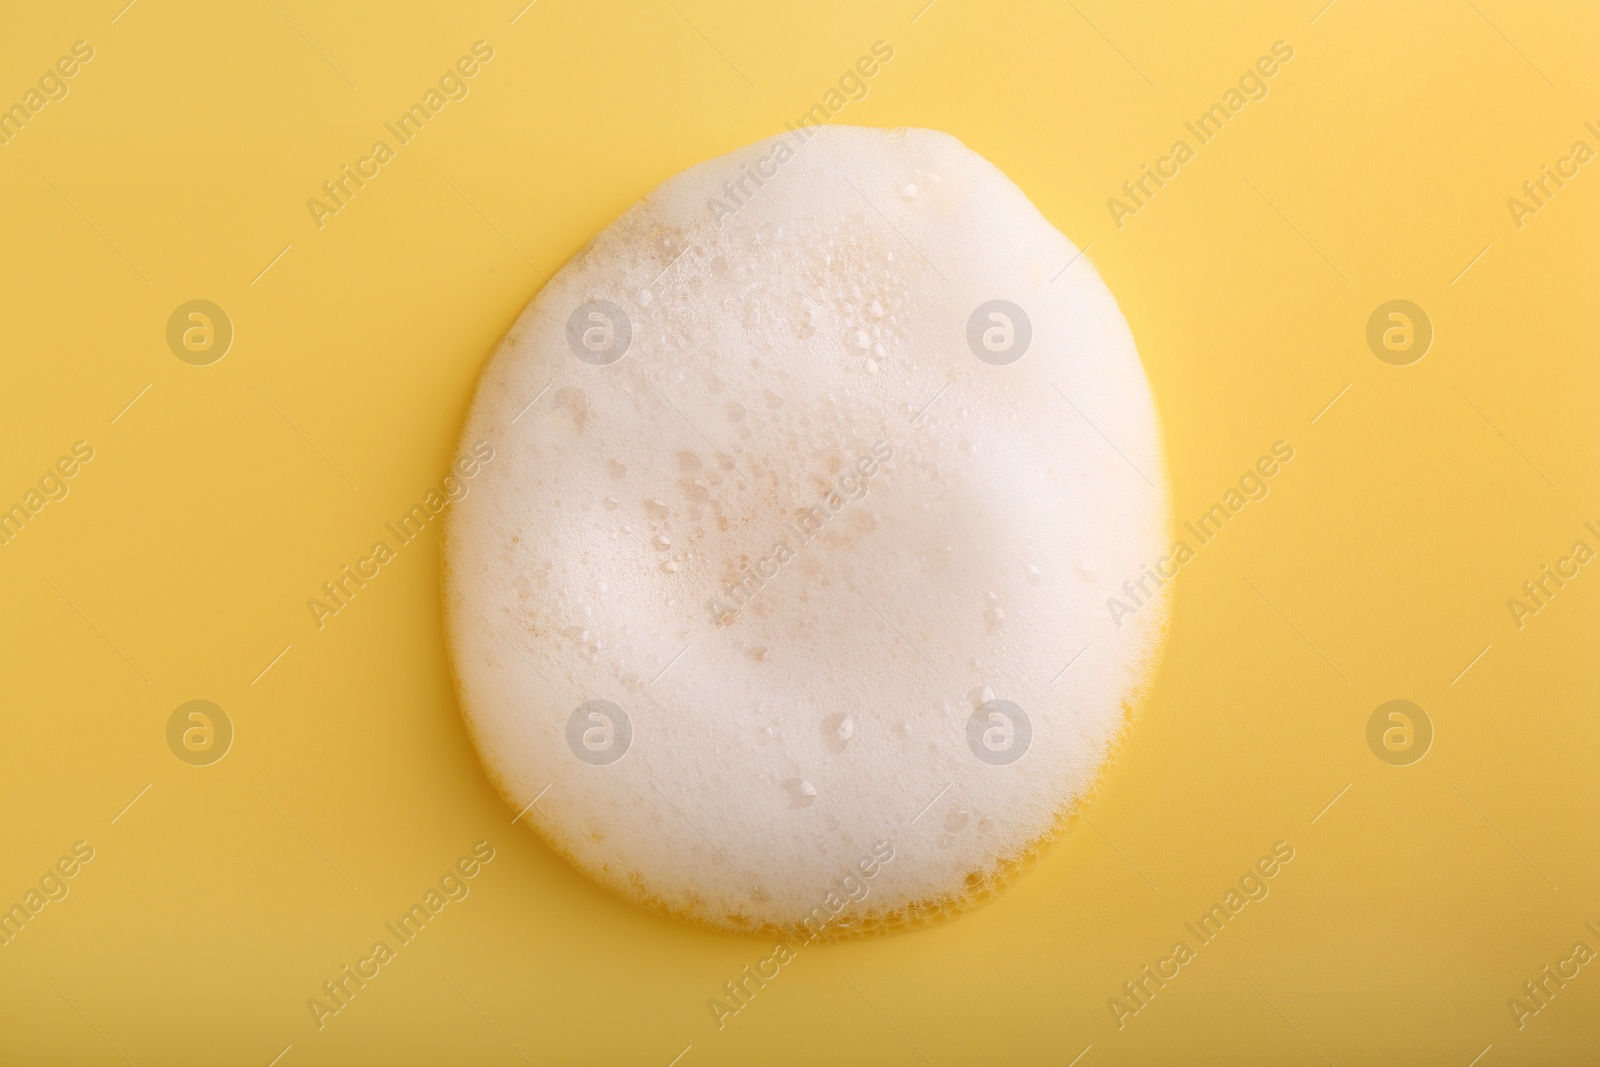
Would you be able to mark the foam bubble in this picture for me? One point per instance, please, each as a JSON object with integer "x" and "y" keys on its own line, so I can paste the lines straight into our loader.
{"x": 803, "y": 518}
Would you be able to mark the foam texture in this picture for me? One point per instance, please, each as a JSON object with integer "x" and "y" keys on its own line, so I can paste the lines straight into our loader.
{"x": 800, "y": 532}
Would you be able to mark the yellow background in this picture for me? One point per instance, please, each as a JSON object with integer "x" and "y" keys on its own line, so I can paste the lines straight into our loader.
{"x": 1416, "y": 505}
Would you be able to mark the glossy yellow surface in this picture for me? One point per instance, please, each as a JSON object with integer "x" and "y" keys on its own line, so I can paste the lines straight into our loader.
{"x": 1379, "y": 566}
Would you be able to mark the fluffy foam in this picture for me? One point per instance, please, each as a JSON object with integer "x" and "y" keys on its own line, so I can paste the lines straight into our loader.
{"x": 798, "y": 373}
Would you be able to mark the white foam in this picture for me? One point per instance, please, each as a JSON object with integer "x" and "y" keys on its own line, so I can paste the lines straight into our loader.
{"x": 773, "y": 742}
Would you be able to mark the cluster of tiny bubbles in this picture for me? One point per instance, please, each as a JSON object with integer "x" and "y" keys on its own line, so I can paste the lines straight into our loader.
{"x": 844, "y": 280}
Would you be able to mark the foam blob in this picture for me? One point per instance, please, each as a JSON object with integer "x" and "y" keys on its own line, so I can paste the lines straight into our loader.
{"x": 788, "y": 590}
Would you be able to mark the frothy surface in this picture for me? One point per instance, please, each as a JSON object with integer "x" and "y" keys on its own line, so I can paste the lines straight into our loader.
{"x": 781, "y": 498}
